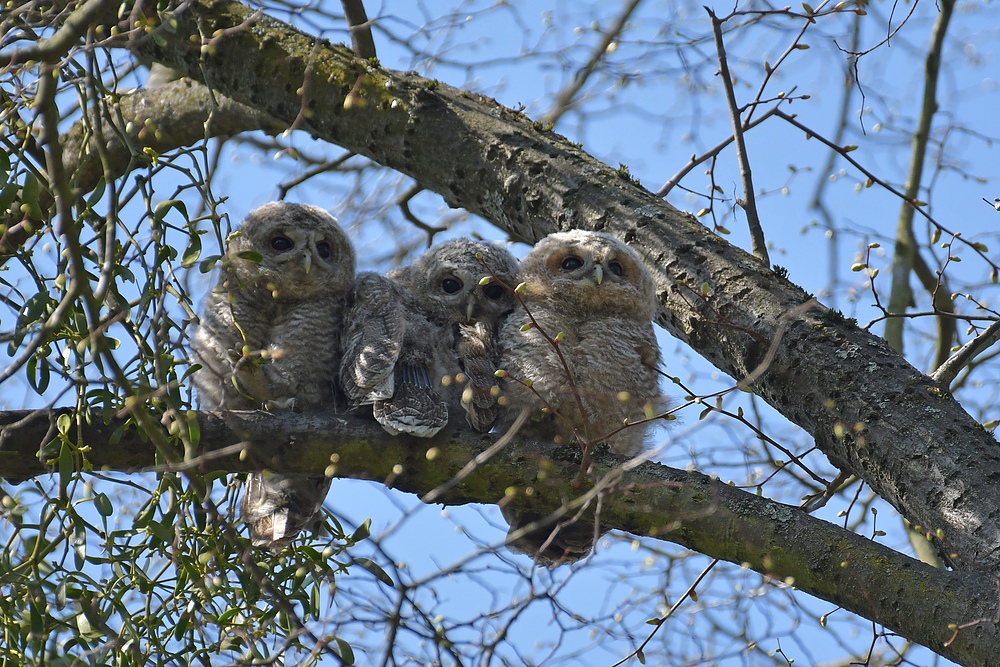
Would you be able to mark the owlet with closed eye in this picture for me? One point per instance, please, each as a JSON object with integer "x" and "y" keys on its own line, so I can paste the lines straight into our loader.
{"x": 269, "y": 337}
{"x": 595, "y": 294}
{"x": 448, "y": 355}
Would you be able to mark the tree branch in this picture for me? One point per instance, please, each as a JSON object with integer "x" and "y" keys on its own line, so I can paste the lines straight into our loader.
{"x": 749, "y": 201}
{"x": 73, "y": 28}
{"x": 901, "y": 294}
{"x": 361, "y": 31}
{"x": 565, "y": 98}
{"x": 173, "y": 115}
{"x": 649, "y": 499}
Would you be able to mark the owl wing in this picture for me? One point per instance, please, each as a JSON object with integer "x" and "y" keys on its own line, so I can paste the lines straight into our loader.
{"x": 374, "y": 328}
{"x": 415, "y": 406}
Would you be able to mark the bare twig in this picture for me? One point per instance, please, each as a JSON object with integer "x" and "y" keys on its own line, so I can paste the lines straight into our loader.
{"x": 484, "y": 456}
{"x": 565, "y": 98}
{"x": 689, "y": 593}
{"x": 329, "y": 165}
{"x": 758, "y": 243}
{"x": 947, "y": 371}
{"x": 698, "y": 159}
{"x": 404, "y": 205}
{"x": 944, "y": 308}
{"x": 817, "y": 202}
{"x": 76, "y": 25}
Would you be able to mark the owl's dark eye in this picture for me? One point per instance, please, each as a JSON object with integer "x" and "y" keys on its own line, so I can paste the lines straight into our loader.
{"x": 451, "y": 285}
{"x": 616, "y": 269}
{"x": 571, "y": 263}
{"x": 493, "y": 292}
{"x": 323, "y": 249}
{"x": 281, "y": 243}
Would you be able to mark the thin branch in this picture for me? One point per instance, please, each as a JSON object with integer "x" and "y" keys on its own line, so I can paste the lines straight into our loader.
{"x": 361, "y": 29}
{"x": 718, "y": 148}
{"x": 565, "y": 98}
{"x": 901, "y": 294}
{"x": 944, "y": 308}
{"x": 54, "y": 48}
{"x": 404, "y": 205}
{"x": 749, "y": 203}
{"x": 947, "y": 371}
{"x": 822, "y": 182}
{"x": 689, "y": 593}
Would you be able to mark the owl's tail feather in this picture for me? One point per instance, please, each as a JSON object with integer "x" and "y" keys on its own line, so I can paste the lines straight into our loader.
{"x": 279, "y": 507}
{"x": 415, "y": 408}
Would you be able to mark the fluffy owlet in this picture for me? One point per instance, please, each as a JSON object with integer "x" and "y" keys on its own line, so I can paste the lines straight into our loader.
{"x": 595, "y": 294}
{"x": 269, "y": 336}
{"x": 447, "y": 355}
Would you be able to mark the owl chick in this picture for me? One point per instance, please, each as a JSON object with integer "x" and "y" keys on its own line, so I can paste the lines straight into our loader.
{"x": 269, "y": 336}
{"x": 592, "y": 299}
{"x": 448, "y": 335}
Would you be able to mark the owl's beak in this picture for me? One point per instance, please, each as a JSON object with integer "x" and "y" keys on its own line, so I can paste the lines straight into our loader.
{"x": 598, "y": 273}
{"x": 469, "y": 308}
{"x": 307, "y": 262}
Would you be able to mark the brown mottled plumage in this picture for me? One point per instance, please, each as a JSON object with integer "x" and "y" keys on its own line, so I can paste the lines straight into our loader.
{"x": 269, "y": 337}
{"x": 596, "y": 293}
{"x": 447, "y": 352}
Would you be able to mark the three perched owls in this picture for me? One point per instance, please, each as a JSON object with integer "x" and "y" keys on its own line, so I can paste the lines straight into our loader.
{"x": 289, "y": 325}
{"x": 269, "y": 336}
{"x": 589, "y": 297}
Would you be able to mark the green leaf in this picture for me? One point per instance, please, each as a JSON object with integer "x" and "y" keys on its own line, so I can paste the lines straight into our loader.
{"x": 363, "y": 531}
{"x": 251, "y": 256}
{"x": 79, "y": 544}
{"x": 66, "y": 469}
{"x": 161, "y": 210}
{"x": 161, "y": 531}
{"x": 346, "y": 652}
{"x": 103, "y": 504}
{"x": 96, "y": 195}
{"x": 208, "y": 263}
{"x": 29, "y": 196}
{"x": 373, "y": 567}
{"x": 8, "y": 194}
{"x": 192, "y": 252}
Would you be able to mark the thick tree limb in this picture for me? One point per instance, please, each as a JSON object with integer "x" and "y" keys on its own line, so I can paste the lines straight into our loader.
{"x": 902, "y": 432}
{"x": 648, "y": 499}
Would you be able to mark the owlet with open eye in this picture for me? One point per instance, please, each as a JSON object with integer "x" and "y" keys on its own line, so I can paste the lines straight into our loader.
{"x": 592, "y": 300}
{"x": 269, "y": 337}
{"x": 453, "y": 296}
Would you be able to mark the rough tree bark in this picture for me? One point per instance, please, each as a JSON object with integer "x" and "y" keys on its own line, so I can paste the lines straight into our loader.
{"x": 700, "y": 513}
{"x": 868, "y": 409}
